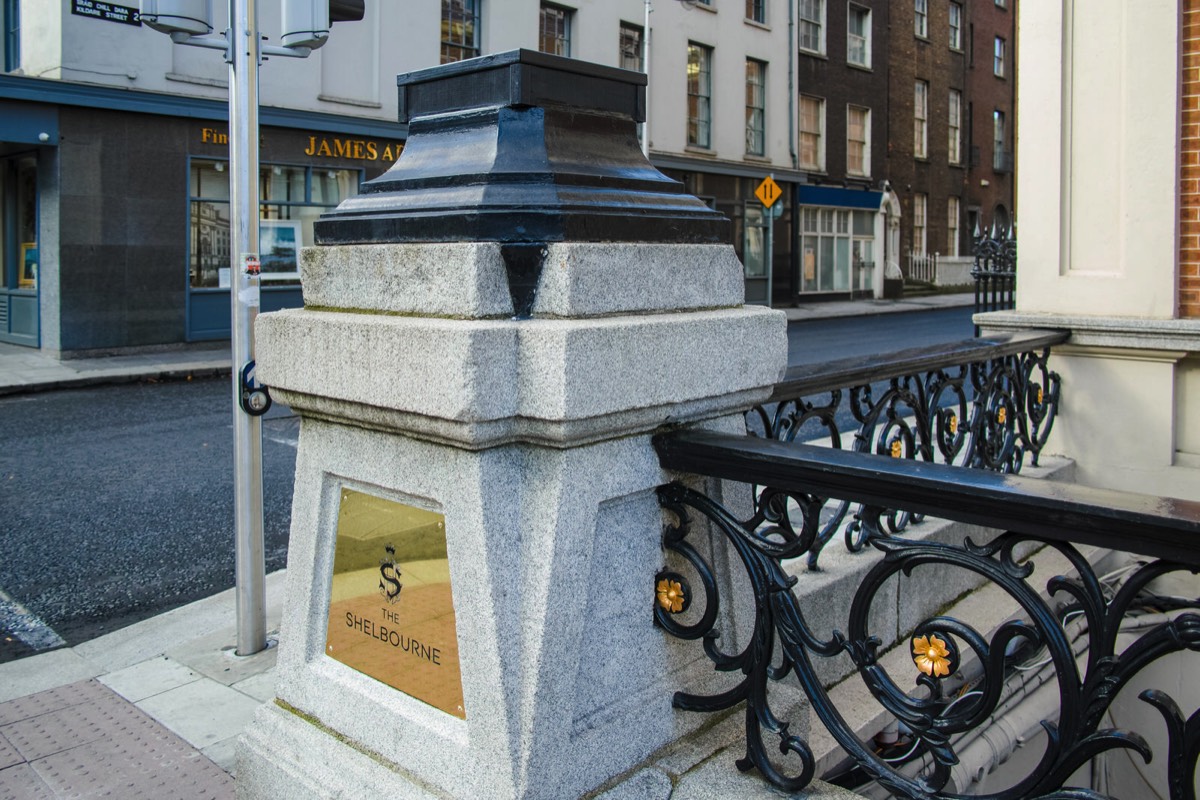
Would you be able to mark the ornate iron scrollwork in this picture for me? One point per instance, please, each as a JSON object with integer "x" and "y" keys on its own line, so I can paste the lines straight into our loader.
{"x": 783, "y": 642}
{"x": 984, "y": 415}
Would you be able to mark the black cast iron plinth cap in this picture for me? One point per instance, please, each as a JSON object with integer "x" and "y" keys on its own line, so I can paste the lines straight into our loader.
{"x": 522, "y": 148}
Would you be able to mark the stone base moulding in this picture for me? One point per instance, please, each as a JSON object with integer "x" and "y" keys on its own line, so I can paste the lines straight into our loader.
{"x": 566, "y": 680}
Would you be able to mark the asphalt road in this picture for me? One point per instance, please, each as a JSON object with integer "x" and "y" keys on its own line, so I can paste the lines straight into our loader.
{"x": 116, "y": 502}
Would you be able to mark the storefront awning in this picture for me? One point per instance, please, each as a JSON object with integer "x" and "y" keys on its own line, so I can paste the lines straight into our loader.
{"x": 838, "y": 197}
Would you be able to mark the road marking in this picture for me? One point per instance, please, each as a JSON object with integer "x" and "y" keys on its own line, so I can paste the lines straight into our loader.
{"x": 26, "y": 626}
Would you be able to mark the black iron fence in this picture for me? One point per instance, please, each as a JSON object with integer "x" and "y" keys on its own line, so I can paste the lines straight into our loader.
{"x": 995, "y": 271}
{"x": 984, "y": 403}
{"x": 1091, "y": 634}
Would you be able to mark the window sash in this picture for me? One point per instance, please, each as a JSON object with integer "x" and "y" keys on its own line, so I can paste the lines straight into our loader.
{"x": 921, "y": 119}
{"x": 756, "y": 10}
{"x": 920, "y": 201}
{"x": 998, "y": 62}
{"x": 952, "y": 214}
{"x": 555, "y": 31}
{"x": 921, "y": 18}
{"x": 956, "y": 26}
{"x": 857, "y": 139}
{"x": 756, "y": 103}
{"x": 699, "y": 95}
{"x": 812, "y": 112}
{"x": 460, "y": 30}
{"x": 858, "y": 33}
{"x": 631, "y": 48}
{"x": 955, "y": 126}
{"x": 812, "y": 25}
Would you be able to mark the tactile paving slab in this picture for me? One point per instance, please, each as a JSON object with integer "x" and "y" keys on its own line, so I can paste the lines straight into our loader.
{"x": 85, "y": 741}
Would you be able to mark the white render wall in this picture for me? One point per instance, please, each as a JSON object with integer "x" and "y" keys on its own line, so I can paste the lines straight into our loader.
{"x": 1098, "y": 148}
{"x": 1098, "y": 193}
{"x": 354, "y": 73}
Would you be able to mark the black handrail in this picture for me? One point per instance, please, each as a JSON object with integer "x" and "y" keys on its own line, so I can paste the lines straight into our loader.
{"x": 803, "y": 379}
{"x": 1166, "y": 527}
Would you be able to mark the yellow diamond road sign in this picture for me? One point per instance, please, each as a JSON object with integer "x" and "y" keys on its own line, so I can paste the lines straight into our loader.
{"x": 768, "y": 192}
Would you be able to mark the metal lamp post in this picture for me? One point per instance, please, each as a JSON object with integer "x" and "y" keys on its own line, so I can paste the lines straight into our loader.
{"x": 306, "y": 27}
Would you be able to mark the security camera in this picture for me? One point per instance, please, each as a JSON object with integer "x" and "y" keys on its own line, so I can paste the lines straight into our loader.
{"x": 187, "y": 17}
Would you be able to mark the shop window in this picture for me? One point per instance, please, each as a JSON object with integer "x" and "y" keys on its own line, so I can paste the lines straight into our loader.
{"x": 19, "y": 222}
{"x": 754, "y": 239}
{"x": 291, "y": 199}
{"x": 460, "y": 30}
{"x": 555, "y": 33}
{"x": 836, "y": 249}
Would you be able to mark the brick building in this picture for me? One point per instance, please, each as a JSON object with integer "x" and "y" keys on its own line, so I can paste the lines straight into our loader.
{"x": 991, "y": 114}
{"x": 842, "y": 135}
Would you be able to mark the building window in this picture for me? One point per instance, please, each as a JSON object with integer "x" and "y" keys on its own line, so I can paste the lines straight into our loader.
{"x": 921, "y": 119}
{"x": 1001, "y": 3}
{"x": 460, "y": 30}
{"x": 754, "y": 240}
{"x": 921, "y": 18}
{"x": 837, "y": 249}
{"x": 920, "y": 202}
{"x": 956, "y": 11}
{"x": 756, "y": 107}
{"x": 699, "y": 82}
{"x": 998, "y": 141}
{"x": 756, "y": 10}
{"x": 998, "y": 62}
{"x": 631, "y": 48}
{"x": 955, "y": 127}
{"x": 555, "y": 32}
{"x": 18, "y": 230}
{"x": 812, "y": 133}
{"x": 858, "y": 140}
{"x": 858, "y": 36}
{"x": 12, "y": 34}
{"x": 952, "y": 212}
{"x": 291, "y": 199}
{"x": 812, "y": 26}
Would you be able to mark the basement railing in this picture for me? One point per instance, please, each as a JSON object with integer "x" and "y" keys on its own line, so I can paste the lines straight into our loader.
{"x": 1091, "y": 633}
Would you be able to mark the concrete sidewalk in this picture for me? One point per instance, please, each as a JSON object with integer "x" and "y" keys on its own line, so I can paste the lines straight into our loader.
{"x": 25, "y": 369}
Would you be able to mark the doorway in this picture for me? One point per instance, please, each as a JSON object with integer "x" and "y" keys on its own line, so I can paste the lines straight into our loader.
{"x": 19, "y": 253}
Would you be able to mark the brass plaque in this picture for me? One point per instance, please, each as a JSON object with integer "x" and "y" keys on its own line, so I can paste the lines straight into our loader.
{"x": 391, "y": 613}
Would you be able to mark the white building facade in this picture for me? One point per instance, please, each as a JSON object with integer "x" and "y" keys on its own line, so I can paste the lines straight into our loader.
{"x": 114, "y": 143}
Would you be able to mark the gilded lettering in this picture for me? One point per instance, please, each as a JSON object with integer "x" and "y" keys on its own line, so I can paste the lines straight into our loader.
{"x": 372, "y": 151}
{"x": 324, "y": 150}
{"x": 359, "y": 149}
{"x": 341, "y": 149}
{"x": 387, "y": 153}
{"x": 312, "y": 146}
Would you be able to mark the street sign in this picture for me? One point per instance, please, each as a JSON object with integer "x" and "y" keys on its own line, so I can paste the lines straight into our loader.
{"x": 768, "y": 192}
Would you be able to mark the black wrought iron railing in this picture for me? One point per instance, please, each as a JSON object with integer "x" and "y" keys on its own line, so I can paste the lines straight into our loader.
{"x": 995, "y": 270}
{"x": 1092, "y": 634}
{"x": 985, "y": 403}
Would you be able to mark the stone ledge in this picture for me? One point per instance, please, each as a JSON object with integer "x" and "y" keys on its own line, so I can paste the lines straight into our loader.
{"x": 468, "y": 280}
{"x": 1100, "y": 331}
{"x": 475, "y": 383}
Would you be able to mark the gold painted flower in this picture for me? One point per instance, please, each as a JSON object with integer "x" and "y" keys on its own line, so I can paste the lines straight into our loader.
{"x": 1002, "y": 414}
{"x": 954, "y": 423}
{"x": 931, "y": 656}
{"x": 670, "y": 595}
{"x": 1040, "y": 395}
{"x": 897, "y": 448}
